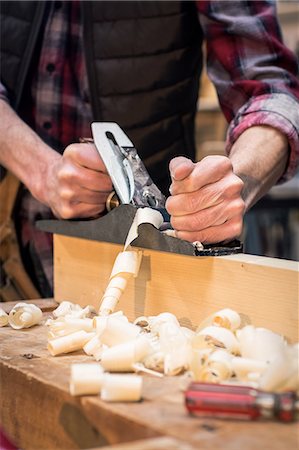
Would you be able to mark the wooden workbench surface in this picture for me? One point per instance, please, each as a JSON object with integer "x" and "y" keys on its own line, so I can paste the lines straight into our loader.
{"x": 38, "y": 412}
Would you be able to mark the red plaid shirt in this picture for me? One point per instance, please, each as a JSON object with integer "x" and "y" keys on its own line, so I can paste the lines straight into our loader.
{"x": 254, "y": 74}
{"x": 60, "y": 89}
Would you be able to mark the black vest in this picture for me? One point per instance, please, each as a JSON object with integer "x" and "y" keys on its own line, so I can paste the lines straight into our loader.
{"x": 143, "y": 63}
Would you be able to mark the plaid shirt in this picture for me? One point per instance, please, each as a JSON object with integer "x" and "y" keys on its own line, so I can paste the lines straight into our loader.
{"x": 60, "y": 89}
{"x": 254, "y": 74}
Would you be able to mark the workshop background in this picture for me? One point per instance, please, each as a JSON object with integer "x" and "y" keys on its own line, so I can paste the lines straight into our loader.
{"x": 272, "y": 225}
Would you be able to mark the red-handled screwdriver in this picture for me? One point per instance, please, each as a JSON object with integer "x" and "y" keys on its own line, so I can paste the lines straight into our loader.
{"x": 236, "y": 401}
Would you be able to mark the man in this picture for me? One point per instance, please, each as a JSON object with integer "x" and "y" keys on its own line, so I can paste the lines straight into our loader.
{"x": 65, "y": 64}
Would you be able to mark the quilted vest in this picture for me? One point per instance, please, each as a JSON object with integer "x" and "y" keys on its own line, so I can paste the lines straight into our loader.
{"x": 143, "y": 63}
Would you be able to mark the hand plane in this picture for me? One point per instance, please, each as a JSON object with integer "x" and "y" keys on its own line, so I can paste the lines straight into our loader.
{"x": 133, "y": 188}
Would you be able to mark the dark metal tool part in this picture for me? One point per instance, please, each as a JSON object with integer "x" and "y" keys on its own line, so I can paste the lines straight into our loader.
{"x": 114, "y": 227}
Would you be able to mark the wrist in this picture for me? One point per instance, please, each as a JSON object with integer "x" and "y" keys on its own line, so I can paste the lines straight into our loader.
{"x": 38, "y": 183}
{"x": 259, "y": 157}
{"x": 23, "y": 153}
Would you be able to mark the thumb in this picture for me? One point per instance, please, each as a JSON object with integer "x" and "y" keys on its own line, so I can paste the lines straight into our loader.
{"x": 180, "y": 168}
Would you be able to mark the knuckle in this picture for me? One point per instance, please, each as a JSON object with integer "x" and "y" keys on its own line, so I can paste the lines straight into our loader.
{"x": 236, "y": 228}
{"x": 240, "y": 206}
{"x": 234, "y": 187}
{"x": 66, "y": 211}
{"x": 214, "y": 195}
{"x": 169, "y": 205}
{"x": 235, "y": 208}
{"x": 66, "y": 174}
{"x": 238, "y": 183}
{"x": 218, "y": 159}
{"x": 224, "y": 163}
{"x": 208, "y": 237}
{"x": 198, "y": 222}
{"x": 191, "y": 203}
{"x": 175, "y": 222}
{"x": 70, "y": 149}
{"x": 66, "y": 195}
{"x": 107, "y": 185}
{"x": 62, "y": 175}
{"x": 189, "y": 223}
{"x": 67, "y": 151}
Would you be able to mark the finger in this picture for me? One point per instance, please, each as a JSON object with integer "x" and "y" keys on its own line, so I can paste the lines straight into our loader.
{"x": 85, "y": 155}
{"x": 67, "y": 210}
{"x": 207, "y": 171}
{"x": 209, "y": 217}
{"x": 210, "y": 195}
{"x": 180, "y": 168}
{"x": 231, "y": 229}
{"x": 190, "y": 203}
{"x": 82, "y": 195}
{"x": 77, "y": 176}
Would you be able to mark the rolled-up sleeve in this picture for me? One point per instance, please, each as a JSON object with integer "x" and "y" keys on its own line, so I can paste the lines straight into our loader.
{"x": 255, "y": 75}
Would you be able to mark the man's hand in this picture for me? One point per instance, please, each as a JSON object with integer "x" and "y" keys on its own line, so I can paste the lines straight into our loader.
{"x": 205, "y": 203}
{"x": 77, "y": 183}
{"x": 73, "y": 185}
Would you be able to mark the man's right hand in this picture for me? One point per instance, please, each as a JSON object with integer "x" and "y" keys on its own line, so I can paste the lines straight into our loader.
{"x": 76, "y": 183}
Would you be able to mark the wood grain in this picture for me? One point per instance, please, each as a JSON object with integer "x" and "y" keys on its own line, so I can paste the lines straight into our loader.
{"x": 37, "y": 411}
{"x": 263, "y": 289}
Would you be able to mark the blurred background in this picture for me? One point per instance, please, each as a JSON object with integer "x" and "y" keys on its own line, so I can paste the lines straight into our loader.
{"x": 272, "y": 225}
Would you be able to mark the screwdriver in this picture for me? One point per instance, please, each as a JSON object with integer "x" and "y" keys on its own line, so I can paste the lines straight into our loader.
{"x": 240, "y": 402}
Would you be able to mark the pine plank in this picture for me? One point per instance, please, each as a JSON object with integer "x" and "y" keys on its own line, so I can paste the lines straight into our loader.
{"x": 263, "y": 289}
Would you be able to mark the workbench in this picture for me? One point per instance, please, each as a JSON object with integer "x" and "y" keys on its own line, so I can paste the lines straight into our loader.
{"x": 38, "y": 412}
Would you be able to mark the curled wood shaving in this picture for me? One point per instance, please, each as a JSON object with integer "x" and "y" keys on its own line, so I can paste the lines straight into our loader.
{"x": 24, "y": 315}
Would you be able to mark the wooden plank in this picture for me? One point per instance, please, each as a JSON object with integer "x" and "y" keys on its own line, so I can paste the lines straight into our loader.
{"x": 264, "y": 289}
{"x": 37, "y": 410}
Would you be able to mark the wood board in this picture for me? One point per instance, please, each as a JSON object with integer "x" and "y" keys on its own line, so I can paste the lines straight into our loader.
{"x": 263, "y": 289}
{"x": 38, "y": 412}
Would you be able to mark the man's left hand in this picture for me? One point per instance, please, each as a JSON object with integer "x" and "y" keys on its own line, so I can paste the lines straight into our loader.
{"x": 205, "y": 203}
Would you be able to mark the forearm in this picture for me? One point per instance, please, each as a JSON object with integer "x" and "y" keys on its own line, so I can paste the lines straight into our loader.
{"x": 259, "y": 157}
{"x": 23, "y": 153}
